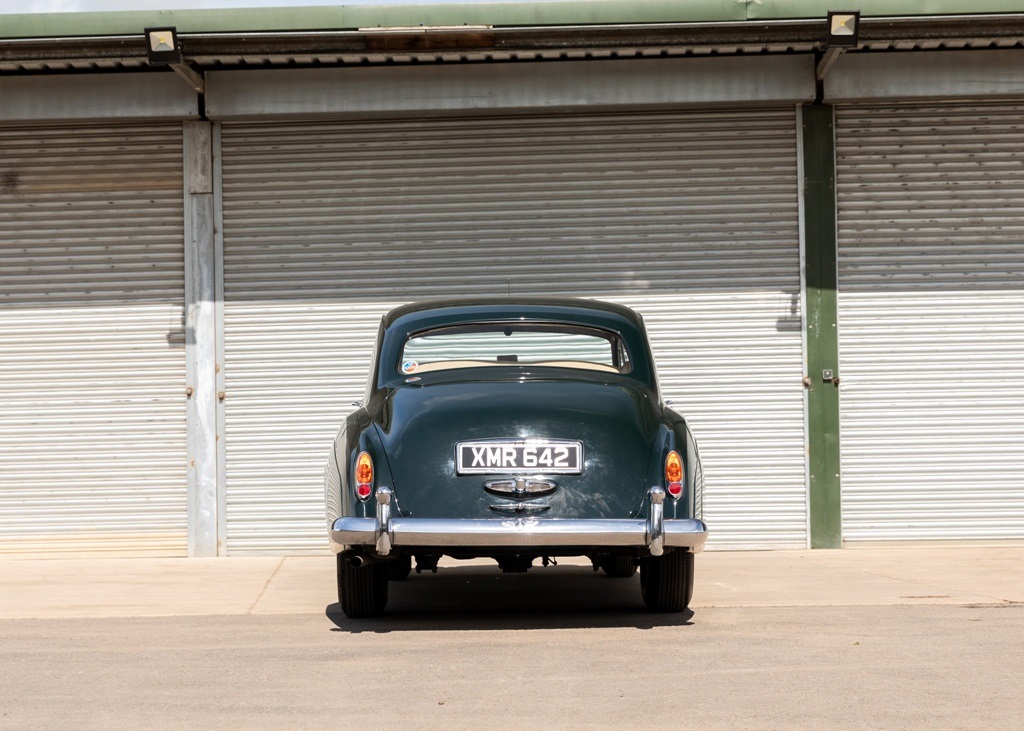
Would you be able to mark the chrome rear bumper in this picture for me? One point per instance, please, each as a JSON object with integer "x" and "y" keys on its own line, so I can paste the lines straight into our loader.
{"x": 384, "y": 532}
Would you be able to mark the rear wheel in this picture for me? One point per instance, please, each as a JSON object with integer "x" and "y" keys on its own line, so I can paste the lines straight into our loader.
{"x": 619, "y": 566}
{"x": 363, "y": 591}
{"x": 666, "y": 582}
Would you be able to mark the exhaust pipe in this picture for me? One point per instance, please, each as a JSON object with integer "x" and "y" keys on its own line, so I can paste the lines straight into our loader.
{"x": 359, "y": 560}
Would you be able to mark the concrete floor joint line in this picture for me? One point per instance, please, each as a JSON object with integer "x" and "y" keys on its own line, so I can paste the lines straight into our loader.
{"x": 903, "y": 579}
{"x": 266, "y": 585}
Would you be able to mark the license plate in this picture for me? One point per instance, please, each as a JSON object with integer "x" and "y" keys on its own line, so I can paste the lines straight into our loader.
{"x": 550, "y": 457}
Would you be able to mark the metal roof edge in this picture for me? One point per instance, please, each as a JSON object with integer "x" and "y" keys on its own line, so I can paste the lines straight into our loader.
{"x": 496, "y": 14}
{"x": 496, "y": 304}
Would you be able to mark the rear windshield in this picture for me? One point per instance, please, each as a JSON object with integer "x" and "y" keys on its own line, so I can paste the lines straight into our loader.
{"x": 511, "y": 344}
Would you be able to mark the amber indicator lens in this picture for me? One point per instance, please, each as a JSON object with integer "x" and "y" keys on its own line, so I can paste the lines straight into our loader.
{"x": 673, "y": 467}
{"x": 364, "y": 468}
{"x": 364, "y": 475}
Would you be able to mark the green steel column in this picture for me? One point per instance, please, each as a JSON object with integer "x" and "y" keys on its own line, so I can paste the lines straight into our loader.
{"x": 822, "y": 338}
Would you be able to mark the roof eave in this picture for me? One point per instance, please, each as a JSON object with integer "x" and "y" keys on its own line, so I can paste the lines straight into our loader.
{"x": 282, "y": 47}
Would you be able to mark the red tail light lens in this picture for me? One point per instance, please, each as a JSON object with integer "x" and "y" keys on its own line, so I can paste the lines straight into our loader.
{"x": 364, "y": 476}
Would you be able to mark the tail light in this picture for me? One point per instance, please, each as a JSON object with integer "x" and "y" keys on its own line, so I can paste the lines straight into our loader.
{"x": 364, "y": 476}
{"x": 674, "y": 475}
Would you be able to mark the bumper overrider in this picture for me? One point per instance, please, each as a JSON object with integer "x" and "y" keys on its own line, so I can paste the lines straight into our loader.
{"x": 384, "y": 532}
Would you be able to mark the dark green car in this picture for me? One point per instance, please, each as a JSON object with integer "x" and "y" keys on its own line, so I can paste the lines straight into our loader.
{"x": 517, "y": 429}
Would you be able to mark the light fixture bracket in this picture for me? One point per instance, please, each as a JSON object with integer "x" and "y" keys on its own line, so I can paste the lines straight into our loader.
{"x": 826, "y": 62}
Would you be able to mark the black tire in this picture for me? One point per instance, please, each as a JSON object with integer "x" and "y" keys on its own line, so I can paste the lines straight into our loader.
{"x": 619, "y": 566}
{"x": 363, "y": 591}
{"x": 666, "y": 582}
{"x": 400, "y": 568}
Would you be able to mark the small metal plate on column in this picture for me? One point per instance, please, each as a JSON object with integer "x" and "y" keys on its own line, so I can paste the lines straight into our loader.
{"x": 826, "y": 375}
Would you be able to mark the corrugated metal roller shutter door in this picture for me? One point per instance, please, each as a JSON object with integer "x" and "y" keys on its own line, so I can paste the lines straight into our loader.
{"x": 931, "y": 318}
{"x": 92, "y": 366}
{"x": 689, "y": 217}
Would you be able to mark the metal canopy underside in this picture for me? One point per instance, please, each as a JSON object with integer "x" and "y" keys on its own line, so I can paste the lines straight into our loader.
{"x": 246, "y": 49}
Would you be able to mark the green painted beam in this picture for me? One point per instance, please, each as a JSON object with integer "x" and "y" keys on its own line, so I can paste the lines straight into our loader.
{"x": 498, "y": 14}
{"x": 791, "y": 9}
{"x": 822, "y": 336}
{"x": 350, "y": 17}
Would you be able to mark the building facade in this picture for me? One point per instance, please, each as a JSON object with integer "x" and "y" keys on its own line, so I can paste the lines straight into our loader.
{"x": 826, "y": 246}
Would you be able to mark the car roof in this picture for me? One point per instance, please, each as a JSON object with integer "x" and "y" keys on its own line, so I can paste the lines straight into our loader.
{"x": 417, "y": 317}
{"x": 548, "y": 308}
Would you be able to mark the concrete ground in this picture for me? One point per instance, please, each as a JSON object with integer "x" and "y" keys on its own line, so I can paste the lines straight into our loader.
{"x": 884, "y": 637}
{"x": 134, "y": 587}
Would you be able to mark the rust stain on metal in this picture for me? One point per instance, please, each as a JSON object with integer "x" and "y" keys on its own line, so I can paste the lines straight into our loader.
{"x": 9, "y": 181}
{"x": 427, "y": 40}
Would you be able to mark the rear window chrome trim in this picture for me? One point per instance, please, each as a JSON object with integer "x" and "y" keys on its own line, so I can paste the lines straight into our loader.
{"x": 622, "y": 358}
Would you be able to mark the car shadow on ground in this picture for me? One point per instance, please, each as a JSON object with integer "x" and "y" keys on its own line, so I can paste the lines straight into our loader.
{"x": 482, "y": 598}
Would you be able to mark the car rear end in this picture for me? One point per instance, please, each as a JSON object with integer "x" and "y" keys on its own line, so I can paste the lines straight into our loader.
{"x": 523, "y": 435}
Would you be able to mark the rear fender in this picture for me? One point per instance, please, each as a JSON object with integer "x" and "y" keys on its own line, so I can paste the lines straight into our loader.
{"x": 359, "y": 434}
{"x": 673, "y": 434}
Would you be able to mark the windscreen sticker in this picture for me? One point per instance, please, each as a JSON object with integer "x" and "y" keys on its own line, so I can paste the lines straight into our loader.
{"x": 410, "y": 366}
